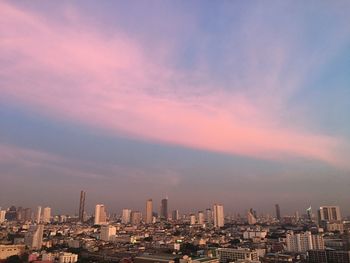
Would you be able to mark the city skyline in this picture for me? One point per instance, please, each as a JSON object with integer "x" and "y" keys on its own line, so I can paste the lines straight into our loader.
{"x": 236, "y": 103}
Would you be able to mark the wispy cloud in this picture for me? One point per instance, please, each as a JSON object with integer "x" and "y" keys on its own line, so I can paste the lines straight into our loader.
{"x": 111, "y": 82}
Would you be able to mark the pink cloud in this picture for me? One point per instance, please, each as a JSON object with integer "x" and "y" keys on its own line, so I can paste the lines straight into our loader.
{"x": 110, "y": 82}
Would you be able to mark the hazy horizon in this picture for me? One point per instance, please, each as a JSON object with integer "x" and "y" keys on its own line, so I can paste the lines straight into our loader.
{"x": 241, "y": 103}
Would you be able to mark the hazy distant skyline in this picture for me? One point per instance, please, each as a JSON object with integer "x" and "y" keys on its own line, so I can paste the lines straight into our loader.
{"x": 241, "y": 103}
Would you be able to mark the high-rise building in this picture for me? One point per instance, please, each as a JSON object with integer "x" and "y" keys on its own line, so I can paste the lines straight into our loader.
{"x": 200, "y": 217}
{"x": 82, "y": 206}
{"x": 192, "y": 219}
{"x": 108, "y": 232}
{"x": 136, "y": 217}
{"x": 34, "y": 237}
{"x": 126, "y": 213}
{"x": 46, "y": 215}
{"x": 309, "y": 213}
{"x": 278, "y": 212}
{"x": 251, "y": 217}
{"x": 149, "y": 212}
{"x": 164, "y": 209}
{"x": 100, "y": 215}
{"x": 38, "y": 215}
{"x": 175, "y": 215}
{"x": 329, "y": 214}
{"x": 2, "y": 216}
{"x": 209, "y": 216}
{"x": 302, "y": 242}
{"x": 219, "y": 218}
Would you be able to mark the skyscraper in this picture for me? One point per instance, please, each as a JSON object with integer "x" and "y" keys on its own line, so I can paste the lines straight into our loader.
{"x": 164, "y": 209}
{"x": 100, "y": 215}
{"x": 192, "y": 219}
{"x": 175, "y": 216}
{"x": 2, "y": 216}
{"x": 136, "y": 217}
{"x": 46, "y": 215}
{"x": 149, "y": 211}
{"x": 38, "y": 215}
{"x": 251, "y": 217}
{"x": 126, "y": 214}
{"x": 209, "y": 216}
{"x": 200, "y": 217}
{"x": 219, "y": 219}
{"x": 82, "y": 206}
{"x": 278, "y": 212}
{"x": 34, "y": 237}
{"x": 329, "y": 214}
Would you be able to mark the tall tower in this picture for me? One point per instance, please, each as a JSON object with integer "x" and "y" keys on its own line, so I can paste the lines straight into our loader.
{"x": 82, "y": 206}
{"x": 46, "y": 215}
{"x": 126, "y": 216}
{"x": 219, "y": 219}
{"x": 164, "y": 209}
{"x": 34, "y": 237}
{"x": 149, "y": 211}
{"x": 100, "y": 215}
{"x": 278, "y": 212}
{"x": 38, "y": 215}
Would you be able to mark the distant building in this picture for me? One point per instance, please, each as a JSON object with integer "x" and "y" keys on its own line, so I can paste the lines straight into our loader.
{"x": 164, "y": 209}
{"x": 136, "y": 217}
{"x": 100, "y": 215}
{"x": 2, "y": 216}
{"x": 108, "y": 232}
{"x": 227, "y": 255}
{"x": 65, "y": 257}
{"x": 278, "y": 212}
{"x": 302, "y": 242}
{"x": 175, "y": 215}
{"x": 11, "y": 250}
{"x": 328, "y": 256}
{"x": 126, "y": 214}
{"x": 192, "y": 219}
{"x": 219, "y": 218}
{"x": 201, "y": 218}
{"x": 149, "y": 212}
{"x": 38, "y": 215}
{"x": 34, "y": 237}
{"x": 209, "y": 216}
{"x": 82, "y": 206}
{"x": 46, "y": 218}
{"x": 251, "y": 217}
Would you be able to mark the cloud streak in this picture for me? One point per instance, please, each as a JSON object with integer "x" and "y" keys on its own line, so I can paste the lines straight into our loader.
{"x": 111, "y": 82}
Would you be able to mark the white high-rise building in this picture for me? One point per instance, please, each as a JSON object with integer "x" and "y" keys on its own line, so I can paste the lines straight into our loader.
{"x": 2, "y": 216}
{"x": 46, "y": 218}
{"x": 192, "y": 219}
{"x": 38, "y": 215}
{"x": 302, "y": 242}
{"x": 126, "y": 216}
{"x": 149, "y": 212}
{"x": 200, "y": 218}
{"x": 34, "y": 237}
{"x": 219, "y": 218}
{"x": 108, "y": 232}
{"x": 251, "y": 218}
{"x": 100, "y": 215}
{"x": 329, "y": 214}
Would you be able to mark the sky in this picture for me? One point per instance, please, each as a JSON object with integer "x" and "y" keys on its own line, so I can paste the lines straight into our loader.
{"x": 244, "y": 103}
